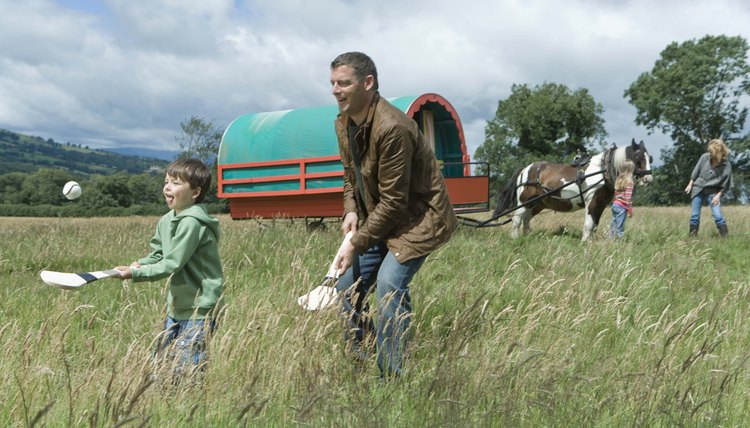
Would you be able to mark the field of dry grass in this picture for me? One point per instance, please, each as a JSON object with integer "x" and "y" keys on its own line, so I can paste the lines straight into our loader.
{"x": 544, "y": 330}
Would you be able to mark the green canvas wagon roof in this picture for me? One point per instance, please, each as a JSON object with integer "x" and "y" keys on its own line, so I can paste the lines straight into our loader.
{"x": 309, "y": 132}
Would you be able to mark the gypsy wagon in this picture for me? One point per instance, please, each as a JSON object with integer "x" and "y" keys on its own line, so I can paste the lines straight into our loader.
{"x": 287, "y": 164}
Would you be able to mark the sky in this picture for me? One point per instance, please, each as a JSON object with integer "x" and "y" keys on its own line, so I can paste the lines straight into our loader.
{"x": 125, "y": 73}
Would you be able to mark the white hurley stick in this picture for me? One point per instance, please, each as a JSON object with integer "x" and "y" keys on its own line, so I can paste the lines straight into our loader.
{"x": 323, "y": 295}
{"x": 73, "y": 281}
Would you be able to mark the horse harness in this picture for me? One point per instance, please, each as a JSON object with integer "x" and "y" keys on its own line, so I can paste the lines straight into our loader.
{"x": 580, "y": 162}
{"x": 609, "y": 171}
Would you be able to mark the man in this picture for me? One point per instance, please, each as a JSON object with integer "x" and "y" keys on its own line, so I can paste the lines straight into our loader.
{"x": 395, "y": 203}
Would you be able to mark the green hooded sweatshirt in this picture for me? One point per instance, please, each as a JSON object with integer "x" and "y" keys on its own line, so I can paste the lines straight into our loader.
{"x": 185, "y": 246}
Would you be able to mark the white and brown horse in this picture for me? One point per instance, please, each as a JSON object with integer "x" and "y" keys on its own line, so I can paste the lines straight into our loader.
{"x": 570, "y": 188}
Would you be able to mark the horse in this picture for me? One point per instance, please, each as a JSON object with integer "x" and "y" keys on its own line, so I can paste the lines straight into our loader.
{"x": 559, "y": 187}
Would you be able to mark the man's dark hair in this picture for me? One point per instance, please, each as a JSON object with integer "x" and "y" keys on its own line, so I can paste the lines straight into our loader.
{"x": 195, "y": 172}
{"x": 360, "y": 63}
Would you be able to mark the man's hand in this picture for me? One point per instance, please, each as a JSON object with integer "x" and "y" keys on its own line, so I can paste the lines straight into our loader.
{"x": 350, "y": 222}
{"x": 347, "y": 252}
{"x": 344, "y": 258}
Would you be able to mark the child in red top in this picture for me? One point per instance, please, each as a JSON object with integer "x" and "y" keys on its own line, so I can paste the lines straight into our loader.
{"x": 623, "y": 202}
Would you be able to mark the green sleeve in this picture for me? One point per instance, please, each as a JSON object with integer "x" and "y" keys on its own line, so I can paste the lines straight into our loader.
{"x": 183, "y": 245}
{"x": 156, "y": 250}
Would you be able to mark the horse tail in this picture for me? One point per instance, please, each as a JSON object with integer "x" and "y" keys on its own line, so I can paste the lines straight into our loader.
{"x": 506, "y": 198}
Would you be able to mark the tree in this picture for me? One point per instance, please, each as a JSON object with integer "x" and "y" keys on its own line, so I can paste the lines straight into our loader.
{"x": 199, "y": 139}
{"x": 110, "y": 191}
{"x": 548, "y": 122}
{"x": 693, "y": 94}
{"x": 44, "y": 187}
{"x": 11, "y": 185}
{"x": 146, "y": 188}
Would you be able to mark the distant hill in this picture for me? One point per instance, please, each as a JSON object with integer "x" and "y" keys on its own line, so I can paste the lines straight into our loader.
{"x": 166, "y": 155}
{"x": 23, "y": 153}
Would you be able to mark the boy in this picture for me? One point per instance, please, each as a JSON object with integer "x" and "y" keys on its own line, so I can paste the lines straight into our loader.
{"x": 185, "y": 249}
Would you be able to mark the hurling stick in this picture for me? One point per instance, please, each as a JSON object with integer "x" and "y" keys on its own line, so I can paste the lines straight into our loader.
{"x": 324, "y": 295}
{"x": 319, "y": 297}
{"x": 73, "y": 281}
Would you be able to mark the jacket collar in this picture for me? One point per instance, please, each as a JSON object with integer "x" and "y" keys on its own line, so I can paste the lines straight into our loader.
{"x": 345, "y": 120}
{"x": 371, "y": 111}
{"x": 363, "y": 133}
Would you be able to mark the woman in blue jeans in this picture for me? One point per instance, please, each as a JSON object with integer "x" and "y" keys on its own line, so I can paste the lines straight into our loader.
{"x": 711, "y": 178}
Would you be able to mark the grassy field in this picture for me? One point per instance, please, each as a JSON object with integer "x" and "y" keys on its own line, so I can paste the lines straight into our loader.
{"x": 540, "y": 331}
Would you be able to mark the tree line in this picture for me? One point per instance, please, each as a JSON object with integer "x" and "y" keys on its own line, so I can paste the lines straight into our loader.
{"x": 39, "y": 194}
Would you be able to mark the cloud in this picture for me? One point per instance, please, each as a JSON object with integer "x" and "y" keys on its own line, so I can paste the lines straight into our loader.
{"x": 126, "y": 72}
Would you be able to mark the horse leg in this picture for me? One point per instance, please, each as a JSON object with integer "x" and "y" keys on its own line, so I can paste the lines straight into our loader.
{"x": 594, "y": 210}
{"x": 517, "y": 222}
{"x": 526, "y": 220}
{"x": 521, "y": 219}
{"x": 589, "y": 226}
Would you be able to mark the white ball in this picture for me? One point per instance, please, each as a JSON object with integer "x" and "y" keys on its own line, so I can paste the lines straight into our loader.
{"x": 72, "y": 190}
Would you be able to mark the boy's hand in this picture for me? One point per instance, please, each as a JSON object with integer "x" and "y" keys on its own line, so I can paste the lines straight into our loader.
{"x": 125, "y": 272}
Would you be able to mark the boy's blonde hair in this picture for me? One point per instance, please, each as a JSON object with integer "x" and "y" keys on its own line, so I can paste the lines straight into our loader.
{"x": 195, "y": 172}
{"x": 718, "y": 151}
{"x": 626, "y": 175}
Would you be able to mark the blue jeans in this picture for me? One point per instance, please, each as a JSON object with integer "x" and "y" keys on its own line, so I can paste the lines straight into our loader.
{"x": 698, "y": 201}
{"x": 188, "y": 338}
{"x": 394, "y": 304}
{"x": 619, "y": 214}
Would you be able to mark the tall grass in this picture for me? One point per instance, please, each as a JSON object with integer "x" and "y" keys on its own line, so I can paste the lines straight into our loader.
{"x": 544, "y": 330}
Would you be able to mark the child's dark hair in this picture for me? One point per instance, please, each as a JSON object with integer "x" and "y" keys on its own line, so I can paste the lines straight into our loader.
{"x": 195, "y": 172}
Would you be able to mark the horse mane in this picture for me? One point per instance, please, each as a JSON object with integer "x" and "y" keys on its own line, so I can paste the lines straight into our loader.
{"x": 506, "y": 198}
{"x": 618, "y": 158}
{"x": 609, "y": 161}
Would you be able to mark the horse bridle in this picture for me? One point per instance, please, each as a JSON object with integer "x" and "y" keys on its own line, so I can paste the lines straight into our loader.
{"x": 638, "y": 156}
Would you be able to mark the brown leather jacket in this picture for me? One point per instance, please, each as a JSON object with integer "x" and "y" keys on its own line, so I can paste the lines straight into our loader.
{"x": 405, "y": 195}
